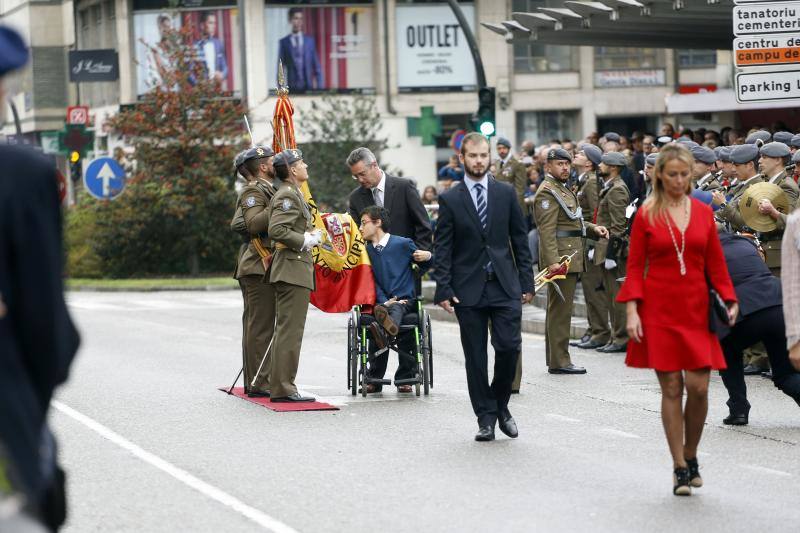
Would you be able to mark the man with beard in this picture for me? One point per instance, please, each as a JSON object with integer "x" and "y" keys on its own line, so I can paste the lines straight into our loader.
{"x": 484, "y": 274}
{"x": 561, "y": 232}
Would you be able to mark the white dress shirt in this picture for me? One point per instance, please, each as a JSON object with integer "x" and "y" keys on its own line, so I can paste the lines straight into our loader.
{"x": 379, "y": 189}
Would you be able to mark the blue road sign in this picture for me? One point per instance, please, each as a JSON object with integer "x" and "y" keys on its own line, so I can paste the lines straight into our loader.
{"x": 104, "y": 178}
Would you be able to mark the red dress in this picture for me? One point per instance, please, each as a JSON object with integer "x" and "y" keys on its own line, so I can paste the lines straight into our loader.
{"x": 674, "y": 308}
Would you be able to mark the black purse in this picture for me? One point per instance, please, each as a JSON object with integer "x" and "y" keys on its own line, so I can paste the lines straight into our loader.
{"x": 717, "y": 312}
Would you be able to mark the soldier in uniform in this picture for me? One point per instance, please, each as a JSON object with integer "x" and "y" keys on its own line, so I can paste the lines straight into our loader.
{"x": 291, "y": 272}
{"x": 773, "y": 160}
{"x": 259, "y": 296}
{"x": 239, "y": 228}
{"x": 703, "y": 175}
{"x": 745, "y": 161}
{"x": 758, "y": 138}
{"x": 614, "y": 199}
{"x": 589, "y": 186}
{"x": 794, "y": 144}
{"x": 649, "y": 169}
{"x": 513, "y": 172}
{"x": 561, "y": 232}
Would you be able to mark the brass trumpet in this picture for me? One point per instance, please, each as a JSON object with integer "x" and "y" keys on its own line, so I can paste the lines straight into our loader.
{"x": 545, "y": 276}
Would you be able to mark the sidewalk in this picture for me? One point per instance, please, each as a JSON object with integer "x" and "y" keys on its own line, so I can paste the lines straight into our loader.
{"x": 532, "y": 315}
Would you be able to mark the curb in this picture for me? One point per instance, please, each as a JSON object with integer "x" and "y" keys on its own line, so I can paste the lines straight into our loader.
{"x": 165, "y": 288}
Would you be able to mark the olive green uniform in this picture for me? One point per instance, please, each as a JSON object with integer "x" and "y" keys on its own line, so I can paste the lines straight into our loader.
{"x": 561, "y": 228}
{"x": 292, "y": 274}
{"x": 771, "y": 242}
{"x": 589, "y": 186}
{"x": 614, "y": 199}
{"x": 259, "y": 295}
{"x": 709, "y": 183}
{"x": 731, "y": 213}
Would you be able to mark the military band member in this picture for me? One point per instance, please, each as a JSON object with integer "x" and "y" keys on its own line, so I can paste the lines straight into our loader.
{"x": 649, "y": 169}
{"x": 759, "y": 138}
{"x": 794, "y": 144}
{"x": 291, "y": 272}
{"x": 774, "y": 157}
{"x": 725, "y": 165}
{"x": 745, "y": 161}
{"x": 703, "y": 170}
{"x": 784, "y": 137}
{"x": 259, "y": 295}
{"x": 589, "y": 185}
{"x": 611, "y": 214}
{"x": 561, "y": 230}
{"x": 511, "y": 171}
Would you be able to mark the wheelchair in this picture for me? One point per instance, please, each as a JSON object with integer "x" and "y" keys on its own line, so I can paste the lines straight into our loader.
{"x": 417, "y": 323}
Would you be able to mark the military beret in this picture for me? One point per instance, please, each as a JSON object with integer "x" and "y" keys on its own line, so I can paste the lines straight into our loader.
{"x": 287, "y": 157}
{"x": 614, "y": 159}
{"x": 687, "y": 142}
{"x": 239, "y": 159}
{"x": 651, "y": 160}
{"x": 558, "y": 153}
{"x": 744, "y": 153}
{"x": 257, "y": 152}
{"x": 594, "y": 153}
{"x": 761, "y": 135}
{"x": 795, "y": 141}
{"x": 784, "y": 137}
{"x": 502, "y": 141}
{"x": 611, "y": 136}
{"x": 775, "y": 149}
{"x": 704, "y": 155}
{"x": 13, "y": 51}
{"x": 796, "y": 157}
{"x": 724, "y": 154}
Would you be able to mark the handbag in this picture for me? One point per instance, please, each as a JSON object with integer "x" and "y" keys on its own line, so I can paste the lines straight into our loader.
{"x": 717, "y": 312}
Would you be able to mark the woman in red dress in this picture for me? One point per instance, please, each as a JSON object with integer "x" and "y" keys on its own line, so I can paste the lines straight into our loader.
{"x": 674, "y": 252}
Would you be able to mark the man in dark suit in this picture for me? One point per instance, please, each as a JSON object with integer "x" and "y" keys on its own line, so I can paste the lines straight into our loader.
{"x": 484, "y": 274}
{"x": 210, "y": 50}
{"x": 298, "y": 53}
{"x": 398, "y": 195}
{"x": 760, "y": 320}
{"x": 37, "y": 337}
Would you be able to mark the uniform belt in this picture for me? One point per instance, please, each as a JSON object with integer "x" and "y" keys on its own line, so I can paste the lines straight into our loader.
{"x": 280, "y": 246}
{"x": 569, "y": 233}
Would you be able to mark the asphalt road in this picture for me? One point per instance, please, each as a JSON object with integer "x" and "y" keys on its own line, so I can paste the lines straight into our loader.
{"x": 151, "y": 445}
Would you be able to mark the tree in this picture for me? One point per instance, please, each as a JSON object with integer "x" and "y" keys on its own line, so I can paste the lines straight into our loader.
{"x": 336, "y": 127}
{"x": 174, "y": 216}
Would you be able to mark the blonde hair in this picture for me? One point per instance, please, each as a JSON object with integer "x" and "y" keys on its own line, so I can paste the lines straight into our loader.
{"x": 655, "y": 207}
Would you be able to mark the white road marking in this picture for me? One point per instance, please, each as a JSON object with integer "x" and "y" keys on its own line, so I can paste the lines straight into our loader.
{"x": 618, "y": 433}
{"x": 256, "y": 516}
{"x": 561, "y": 417}
{"x": 767, "y": 470}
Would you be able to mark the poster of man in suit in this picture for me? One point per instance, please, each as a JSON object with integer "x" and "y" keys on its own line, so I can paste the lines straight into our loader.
{"x": 321, "y": 48}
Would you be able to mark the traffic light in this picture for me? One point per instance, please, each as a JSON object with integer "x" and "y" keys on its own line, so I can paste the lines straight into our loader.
{"x": 483, "y": 119}
{"x": 75, "y": 167}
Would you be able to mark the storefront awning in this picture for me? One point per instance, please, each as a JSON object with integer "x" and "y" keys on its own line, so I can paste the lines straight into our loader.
{"x": 700, "y": 24}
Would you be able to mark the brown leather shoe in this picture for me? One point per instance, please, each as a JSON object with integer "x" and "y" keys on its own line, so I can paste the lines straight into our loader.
{"x": 382, "y": 316}
{"x": 377, "y": 335}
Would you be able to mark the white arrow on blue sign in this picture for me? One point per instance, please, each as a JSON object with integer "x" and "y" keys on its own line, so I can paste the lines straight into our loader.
{"x": 104, "y": 178}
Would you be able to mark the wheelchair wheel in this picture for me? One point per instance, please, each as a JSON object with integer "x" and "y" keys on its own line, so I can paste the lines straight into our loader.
{"x": 362, "y": 359}
{"x": 427, "y": 353}
{"x": 352, "y": 353}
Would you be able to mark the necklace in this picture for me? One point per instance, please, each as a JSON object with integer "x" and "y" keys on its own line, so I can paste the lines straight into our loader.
{"x": 683, "y": 238}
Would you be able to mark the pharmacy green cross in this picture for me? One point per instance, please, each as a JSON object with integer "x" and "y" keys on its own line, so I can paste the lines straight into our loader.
{"x": 428, "y": 126}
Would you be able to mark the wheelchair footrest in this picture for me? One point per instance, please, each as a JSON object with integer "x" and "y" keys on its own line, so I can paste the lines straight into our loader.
{"x": 377, "y": 381}
{"x": 409, "y": 381}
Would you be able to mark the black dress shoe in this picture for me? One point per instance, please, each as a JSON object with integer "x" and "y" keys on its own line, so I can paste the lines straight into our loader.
{"x": 613, "y": 348}
{"x": 296, "y": 397}
{"x": 514, "y": 391}
{"x": 591, "y": 345}
{"x": 752, "y": 370}
{"x": 508, "y": 426}
{"x": 571, "y": 369}
{"x": 586, "y": 338}
{"x": 485, "y": 434}
{"x": 258, "y": 394}
{"x": 735, "y": 420}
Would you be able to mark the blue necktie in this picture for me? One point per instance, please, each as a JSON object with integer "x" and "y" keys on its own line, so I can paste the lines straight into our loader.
{"x": 481, "y": 201}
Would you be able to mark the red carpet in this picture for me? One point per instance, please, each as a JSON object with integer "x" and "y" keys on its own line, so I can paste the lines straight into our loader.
{"x": 282, "y": 407}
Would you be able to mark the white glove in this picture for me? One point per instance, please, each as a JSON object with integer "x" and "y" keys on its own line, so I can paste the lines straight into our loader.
{"x": 610, "y": 264}
{"x": 590, "y": 255}
{"x": 311, "y": 239}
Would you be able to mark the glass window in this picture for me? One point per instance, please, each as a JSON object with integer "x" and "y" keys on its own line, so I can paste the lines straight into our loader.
{"x": 543, "y": 126}
{"x": 536, "y": 57}
{"x": 697, "y": 58}
{"x": 613, "y": 57}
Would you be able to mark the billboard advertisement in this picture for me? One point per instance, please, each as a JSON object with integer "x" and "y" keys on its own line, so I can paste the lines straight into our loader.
{"x": 432, "y": 52}
{"x": 213, "y": 35}
{"x": 322, "y": 47}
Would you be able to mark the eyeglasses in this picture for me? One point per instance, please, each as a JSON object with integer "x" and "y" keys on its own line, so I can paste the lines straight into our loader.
{"x": 365, "y": 222}
{"x": 363, "y": 173}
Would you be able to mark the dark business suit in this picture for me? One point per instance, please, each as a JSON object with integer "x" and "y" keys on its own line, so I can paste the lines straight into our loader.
{"x": 462, "y": 251}
{"x": 407, "y": 215}
{"x": 760, "y": 319}
{"x": 303, "y": 71}
{"x": 37, "y": 337}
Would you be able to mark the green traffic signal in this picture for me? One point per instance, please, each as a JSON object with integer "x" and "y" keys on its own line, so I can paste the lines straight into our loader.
{"x": 484, "y": 120}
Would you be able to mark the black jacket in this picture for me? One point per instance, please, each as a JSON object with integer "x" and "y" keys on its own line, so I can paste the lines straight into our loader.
{"x": 37, "y": 337}
{"x": 756, "y": 288}
{"x": 407, "y": 215}
{"x": 462, "y": 248}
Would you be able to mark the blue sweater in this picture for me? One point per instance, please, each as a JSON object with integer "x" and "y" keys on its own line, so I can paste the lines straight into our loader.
{"x": 391, "y": 269}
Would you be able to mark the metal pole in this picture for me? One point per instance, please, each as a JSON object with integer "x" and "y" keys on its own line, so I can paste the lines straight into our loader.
{"x": 15, "y": 113}
{"x": 473, "y": 44}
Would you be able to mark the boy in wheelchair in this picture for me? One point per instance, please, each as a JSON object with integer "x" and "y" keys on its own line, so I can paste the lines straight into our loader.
{"x": 395, "y": 296}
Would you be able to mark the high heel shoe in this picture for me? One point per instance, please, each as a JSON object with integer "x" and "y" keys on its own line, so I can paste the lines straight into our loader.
{"x": 694, "y": 473}
{"x": 681, "y": 479}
